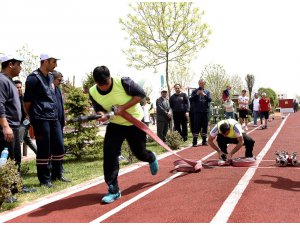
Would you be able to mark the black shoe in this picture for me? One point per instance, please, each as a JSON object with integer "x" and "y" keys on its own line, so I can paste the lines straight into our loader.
{"x": 10, "y": 199}
{"x": 204, "y": 143}
{"x": 48, "y": 185}
{"x": 195, "y": 141}
{"x": 62, "y": 179}
{"x": 26, "y": 189}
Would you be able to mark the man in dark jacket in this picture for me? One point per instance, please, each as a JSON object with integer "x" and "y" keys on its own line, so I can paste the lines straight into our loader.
{"x": 24, "y": 127}
{"x": 40, "y": 104}
{"x": 180, "y": 105}
{"x": 200, "y": 102}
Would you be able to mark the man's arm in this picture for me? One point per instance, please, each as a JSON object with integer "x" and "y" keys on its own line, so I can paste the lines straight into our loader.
{"x": 7, "y": 131}
{"x": 237, "y": 147}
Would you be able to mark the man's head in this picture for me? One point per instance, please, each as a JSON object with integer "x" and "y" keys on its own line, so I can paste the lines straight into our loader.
{"x": 263, "y": 95}
{"x": 201, "y": 83}
{"x": 48, "y": 62}
{"x": 255, "y": 95}
{"x": 147, "y": 99}
{"x": 244, "y": 92}
{"x": 10, "y": 65}
{"x": 102, "y": 77}
{"x": 18, "y": 84}
{"x": 177, "y": 88}
{"x": 164, "y": 92}
{"x": 58, "y": 78}
{"x": 225, "y": 129}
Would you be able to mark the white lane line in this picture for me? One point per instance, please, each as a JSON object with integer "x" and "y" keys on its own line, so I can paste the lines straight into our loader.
{"x": 141, "y": 195}
{"x": 9, "y": 215}
{"x": 6, "y": 216}
{"x": 229, "y": 204}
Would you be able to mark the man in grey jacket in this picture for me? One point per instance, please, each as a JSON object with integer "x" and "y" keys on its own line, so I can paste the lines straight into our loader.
{"x": 10, "y": 107}
{"x": 163, "y": 115}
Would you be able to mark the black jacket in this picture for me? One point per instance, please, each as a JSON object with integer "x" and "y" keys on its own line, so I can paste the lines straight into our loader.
{"x": 40, "y": 91}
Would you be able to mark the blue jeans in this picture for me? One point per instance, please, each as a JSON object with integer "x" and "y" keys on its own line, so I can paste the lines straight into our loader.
{"x": 229, "y": 115}
{"x": 255, "y": 116}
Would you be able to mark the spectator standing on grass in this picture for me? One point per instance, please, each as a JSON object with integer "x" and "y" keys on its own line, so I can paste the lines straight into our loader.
{"x": 40, "y": 104}
{"x": 200, "y": 102}
{"x": 151, "y": 110}
{"x": 255, "y": 103}
{"x": 126, "y": 95}
{"x": 180, "y": 105}
{"x": 145, "y": 107}
{"x": 24, "y": 128}
{"x": 264, "y": 109}
{"x": 10, "y": 108}
{"x": 229, "y": 108}
{"x": 163, "y": 115}
{"x": 226, "y": 93}
{"x": 243, "y": 102}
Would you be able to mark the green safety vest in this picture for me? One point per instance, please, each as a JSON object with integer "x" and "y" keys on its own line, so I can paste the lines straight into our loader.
{"x": 117, "y": 96}
{"x": 231, "y": 123}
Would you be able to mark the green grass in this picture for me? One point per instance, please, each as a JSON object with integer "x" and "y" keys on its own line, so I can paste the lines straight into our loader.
{"x": 78, "y": 171}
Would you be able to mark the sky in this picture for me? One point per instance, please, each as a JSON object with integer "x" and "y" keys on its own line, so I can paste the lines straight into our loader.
{"x": 248, "y": 37}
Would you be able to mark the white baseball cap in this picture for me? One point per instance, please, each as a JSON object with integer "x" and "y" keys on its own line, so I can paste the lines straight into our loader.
{"x": 5, "y": 58}
{"x": 45, "y": 56}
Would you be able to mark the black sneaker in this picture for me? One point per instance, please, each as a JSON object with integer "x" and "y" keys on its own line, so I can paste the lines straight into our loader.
{"x": 48, "y": 185}
{"x": 26, "y": 189}
{"x": 204, "y": 143}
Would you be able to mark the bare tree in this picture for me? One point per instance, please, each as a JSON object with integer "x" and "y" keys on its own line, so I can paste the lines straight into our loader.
{"x": 250, "y": 79}
{"x": 216, "y": 81}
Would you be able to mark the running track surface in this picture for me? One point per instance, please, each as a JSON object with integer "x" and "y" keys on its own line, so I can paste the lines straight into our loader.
{"x": 262, "y": 194}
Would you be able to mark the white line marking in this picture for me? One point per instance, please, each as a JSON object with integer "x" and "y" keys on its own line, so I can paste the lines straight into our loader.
{"x": 229, "y": 204}
{"x": 6, "y": 216}
{"x": 141, "y": 195}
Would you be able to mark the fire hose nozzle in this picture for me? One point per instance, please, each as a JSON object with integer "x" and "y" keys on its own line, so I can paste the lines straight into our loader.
{"x": 82, "y": 119}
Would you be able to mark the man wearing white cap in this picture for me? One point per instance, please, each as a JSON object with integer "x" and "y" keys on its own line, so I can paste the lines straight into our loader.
{"x": 40, "y": 104}
{"x": 10, "y": 107}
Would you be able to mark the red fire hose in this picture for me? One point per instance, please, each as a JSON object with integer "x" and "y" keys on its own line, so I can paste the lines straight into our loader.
{"x": 183, "y": 165}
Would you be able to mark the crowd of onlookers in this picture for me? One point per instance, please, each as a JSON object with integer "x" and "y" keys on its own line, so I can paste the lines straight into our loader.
{"x": 194, "y": 111}
{"x": 41, "y": 106}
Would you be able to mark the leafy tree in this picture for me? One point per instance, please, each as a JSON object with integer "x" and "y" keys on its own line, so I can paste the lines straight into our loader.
{"x": 88, "y": 82}
{"x": 271, "y": 94}
{"x": 30, "y": 63}
{"x": 180, "y": 75}
{"x": 236, "y": 83}
{"x": 83, "y": 139}
{"x": 216, "y": 81}
{"x": 250, "y": 80}
{"x": 164, "y": 32}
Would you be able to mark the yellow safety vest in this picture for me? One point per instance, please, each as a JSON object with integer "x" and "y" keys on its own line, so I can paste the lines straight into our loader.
{"x": 117, "y": 96}
{"x": 231, "y": 123}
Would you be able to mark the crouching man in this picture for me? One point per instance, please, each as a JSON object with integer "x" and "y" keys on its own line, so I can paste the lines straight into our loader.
{"x": 230, "y": 132}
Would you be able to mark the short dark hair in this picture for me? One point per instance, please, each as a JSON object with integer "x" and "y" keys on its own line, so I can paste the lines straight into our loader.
{"x": 6, "y": 63}
{"x": 17, "y": 82}
{"x": 101, "y": 75}
{"x": 224, "y": 128}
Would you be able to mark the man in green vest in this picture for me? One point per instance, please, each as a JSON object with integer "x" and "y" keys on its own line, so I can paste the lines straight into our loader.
{"x": 230, "y": 132}
{"x": 126, "y": 95}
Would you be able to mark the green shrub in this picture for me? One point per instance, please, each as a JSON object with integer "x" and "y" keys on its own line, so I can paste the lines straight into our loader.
{"x": 10, "y": 180}
{"x": 173, "y": 139}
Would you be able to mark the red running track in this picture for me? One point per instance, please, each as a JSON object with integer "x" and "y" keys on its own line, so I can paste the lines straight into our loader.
{"x": 263, "y": 194}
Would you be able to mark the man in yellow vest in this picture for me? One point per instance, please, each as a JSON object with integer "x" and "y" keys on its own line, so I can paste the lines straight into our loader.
{"x": 126, "y": 95}
{"x": 230, "y": 132}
